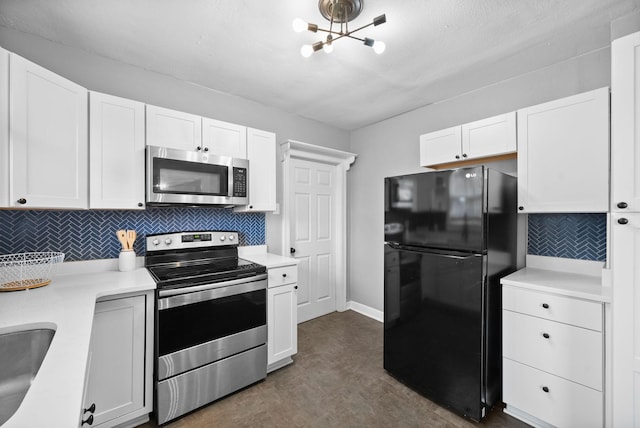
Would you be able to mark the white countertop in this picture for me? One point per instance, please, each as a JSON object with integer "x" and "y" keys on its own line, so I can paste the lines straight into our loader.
{"x": 569, "y": 284}
{"x": 66, "y": 305}
{"x": 258, "y": 254}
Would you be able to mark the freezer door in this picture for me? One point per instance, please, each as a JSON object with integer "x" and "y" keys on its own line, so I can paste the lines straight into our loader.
{"x": 440, "y": 209}
{"x": 433, "y": 329}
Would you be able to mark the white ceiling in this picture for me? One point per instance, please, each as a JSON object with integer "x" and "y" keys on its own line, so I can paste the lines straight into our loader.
{"x": 436, "y": 49}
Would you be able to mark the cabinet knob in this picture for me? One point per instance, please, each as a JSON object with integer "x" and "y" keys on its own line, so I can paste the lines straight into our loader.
{"x": 250, "y": 207}
{"x": 206, "y": 149}
{"x": 521, "y": 208}
{"x": 140, "y": 204}
{"x": 545, "y": 305}
{"x": 622, "y": 205}
{"x": 546, "y": 335}
{"x": 292, "y": 250}
{"x": 464, "y": 155}
{"x": 295, "y": 287}
{"x": 457, "y": 156}
{"x": 88, "y": 421}
{"x": 22, "y": 201}
{"x": 545, "y": 388}
{"x": 284, "y": 275}
{"x": 198, "y": 148}
{"x": 623, "y": 220}
{"x": 91, "y": 408}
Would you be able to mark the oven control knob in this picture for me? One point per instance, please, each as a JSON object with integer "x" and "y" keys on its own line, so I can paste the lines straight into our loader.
{"x": 167, "y": 241}
{"x": 222, "y": 238}
{"x": 230, "y": 237}
{"x": 155, "y": 242}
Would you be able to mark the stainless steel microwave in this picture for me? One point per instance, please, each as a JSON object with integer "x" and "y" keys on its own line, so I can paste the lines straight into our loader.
{"x": 183, "y": 177}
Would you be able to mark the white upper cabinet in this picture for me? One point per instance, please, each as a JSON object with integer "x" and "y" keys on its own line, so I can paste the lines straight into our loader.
{"x": 442, "y": 146}
{"x": 4, "y": 128}
{"x": 47, "y": 138}
{"x": 224, "y": 139}
{"x": 625, "y": 110}
{"x": 261, "y": 152}
{"x": 489, "y": 137}
{"x": 563, "y": 154}
{"x": 116, "y": 152}
{"x": 173, "y": 129}
{"x": 483, "y": 138}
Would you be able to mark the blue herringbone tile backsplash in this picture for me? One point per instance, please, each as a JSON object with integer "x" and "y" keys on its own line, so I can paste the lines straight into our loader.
{"x": 573, "y": 236}
{"x": 87, "y": 235}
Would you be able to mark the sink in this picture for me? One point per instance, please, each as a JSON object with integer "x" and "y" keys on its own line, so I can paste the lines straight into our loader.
{"x": 21, "y": 353}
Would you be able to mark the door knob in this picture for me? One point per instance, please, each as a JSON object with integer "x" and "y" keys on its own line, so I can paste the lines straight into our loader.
{"x": 292, "y": 250}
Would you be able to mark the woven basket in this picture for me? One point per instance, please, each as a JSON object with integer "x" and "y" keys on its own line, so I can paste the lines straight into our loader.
{"x": 27, "y": 270}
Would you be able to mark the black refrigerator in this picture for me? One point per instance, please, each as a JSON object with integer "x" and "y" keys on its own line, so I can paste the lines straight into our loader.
{"x": 449, "y": 238}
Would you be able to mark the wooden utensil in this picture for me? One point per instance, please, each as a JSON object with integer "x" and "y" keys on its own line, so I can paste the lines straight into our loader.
{"x": 122, "y": 237}
{"x": 131, "y": 238}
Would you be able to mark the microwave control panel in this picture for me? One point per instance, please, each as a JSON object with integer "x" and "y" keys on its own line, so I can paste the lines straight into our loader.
{"x": 240, "y": 182}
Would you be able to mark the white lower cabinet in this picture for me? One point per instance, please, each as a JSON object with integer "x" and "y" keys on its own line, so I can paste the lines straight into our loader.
{"x": 119, "y": 382}
{"x": 553, "y": 357}
{"x": 282, "y": 318}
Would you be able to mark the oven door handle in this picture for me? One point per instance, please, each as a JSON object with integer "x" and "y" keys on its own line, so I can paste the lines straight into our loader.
{"x": 185, "y": 296}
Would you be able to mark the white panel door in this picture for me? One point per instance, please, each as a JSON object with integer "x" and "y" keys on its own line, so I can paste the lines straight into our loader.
{"x": 442, "y": 146}
{"x": 625, "y": 131}
{"x": 173, "y": 129}
{"x": 563, "y": 154}
{"x": 117, "y": 376}
{"x": 47, "y": 138}
{"x": 312, "y": 235}
{"x": 224, "y": 139}
{"x": 488, "y": 137}
{"x": 116, "y": 152}
{"x": 626, "y": 322}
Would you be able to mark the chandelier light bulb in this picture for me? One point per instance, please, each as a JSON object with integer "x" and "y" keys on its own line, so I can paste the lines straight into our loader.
{"x": 299, "y": 25}
{"x": 306, "y": 51}
{"x": 379, "y": 47}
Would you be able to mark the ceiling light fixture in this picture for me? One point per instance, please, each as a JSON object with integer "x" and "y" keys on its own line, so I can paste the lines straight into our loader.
{"x": 338, "y": 13}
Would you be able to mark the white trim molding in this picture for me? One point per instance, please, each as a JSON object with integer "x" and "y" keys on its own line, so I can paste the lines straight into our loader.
{"x": 365, "y": 310}
{"x": 342, "y": 160}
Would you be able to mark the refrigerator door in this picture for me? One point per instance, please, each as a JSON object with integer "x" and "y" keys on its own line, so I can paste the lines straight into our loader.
{"x": 440, "y": 209}
{"x": 433, "y": 328}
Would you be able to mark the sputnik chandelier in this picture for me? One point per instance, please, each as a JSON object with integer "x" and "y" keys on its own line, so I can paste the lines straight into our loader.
{"x": 339, "y": 13}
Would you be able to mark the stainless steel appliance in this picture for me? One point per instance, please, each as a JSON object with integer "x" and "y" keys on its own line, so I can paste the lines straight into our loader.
{"x": 182, "y": 177}
{"x": 450, "y": 236}
{"x": 211, "y": 332}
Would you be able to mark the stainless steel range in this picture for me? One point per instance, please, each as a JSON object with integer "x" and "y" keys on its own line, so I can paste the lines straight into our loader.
{"x": 211, "y": 332}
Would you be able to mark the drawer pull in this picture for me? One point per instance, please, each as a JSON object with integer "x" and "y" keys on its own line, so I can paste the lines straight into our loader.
{"x": 545, "y": 305}
{"x": 546, "y": 335}
{"x": 545, "y": 388}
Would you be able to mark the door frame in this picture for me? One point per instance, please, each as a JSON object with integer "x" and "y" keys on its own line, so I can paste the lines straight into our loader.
{"x": 342, "y": 161}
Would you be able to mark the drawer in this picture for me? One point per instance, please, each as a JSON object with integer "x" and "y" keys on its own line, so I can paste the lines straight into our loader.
{"x": 283, "y": 275}
{"x": 571, "y": 352}
{"x": 566, "y": 404}
{"x": 553, "y": 307}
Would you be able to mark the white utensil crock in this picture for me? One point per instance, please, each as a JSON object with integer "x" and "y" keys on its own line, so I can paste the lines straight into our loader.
{"x": 127, "y": 260}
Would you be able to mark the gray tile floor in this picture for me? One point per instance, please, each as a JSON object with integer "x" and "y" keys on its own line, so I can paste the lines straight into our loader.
{"x": 337, "y": 380}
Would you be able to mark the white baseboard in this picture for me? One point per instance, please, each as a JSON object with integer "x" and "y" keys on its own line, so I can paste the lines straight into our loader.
{"x": 366, "y": 310}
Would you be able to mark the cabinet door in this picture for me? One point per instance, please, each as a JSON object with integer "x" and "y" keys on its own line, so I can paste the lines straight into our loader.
{"x": 117, "y": 376}
{"x": 224, "y": 139}
{"x": 563, "y": 155}
{"x": 261, "y": 152}
{"x": 116, "y": 152}
{"x": 47, "y": 138}
{"x": 441, "y": 146}
{"x": 282, "y": 322}
{"x": 4, "y": 128}
{"x": 489, "y": 137}
{"x": 625, "y": 109}
{"x": 173, "y": 129}
{"x": 626, "y": 332}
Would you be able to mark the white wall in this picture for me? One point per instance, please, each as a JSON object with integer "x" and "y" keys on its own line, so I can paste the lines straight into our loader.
{"x": 105, "y": 75}
{"x": 391, "y": 147}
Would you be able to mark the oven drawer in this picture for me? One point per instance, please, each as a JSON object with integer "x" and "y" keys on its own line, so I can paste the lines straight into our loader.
{"x": 283, "y": 275}
{"x": 186, "y": 392}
